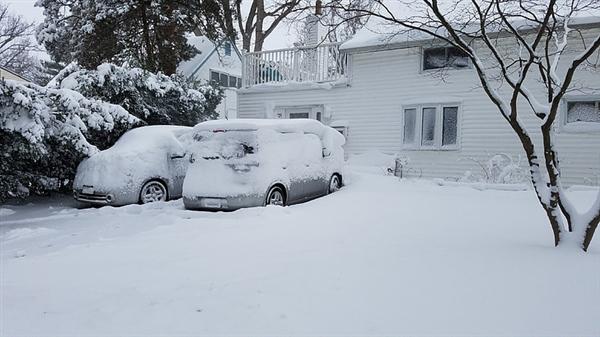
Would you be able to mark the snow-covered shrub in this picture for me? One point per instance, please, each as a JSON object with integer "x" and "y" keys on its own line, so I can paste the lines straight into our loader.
{"x": 498, "y": 169}
{"x": 44, "y": 135}
{"x": 154, "y": 98}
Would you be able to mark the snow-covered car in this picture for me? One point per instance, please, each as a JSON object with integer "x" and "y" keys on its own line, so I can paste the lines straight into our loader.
{"x": 146, "y": 164}
{"x": 256, "y": 162}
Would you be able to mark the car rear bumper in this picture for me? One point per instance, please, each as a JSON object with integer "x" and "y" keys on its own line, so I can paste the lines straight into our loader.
{"x": 223, "y": 203}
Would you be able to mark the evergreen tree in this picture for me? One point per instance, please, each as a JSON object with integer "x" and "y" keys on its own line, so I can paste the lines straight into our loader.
{"x": 149, "y": 34}
{"x": 153, "y": 98}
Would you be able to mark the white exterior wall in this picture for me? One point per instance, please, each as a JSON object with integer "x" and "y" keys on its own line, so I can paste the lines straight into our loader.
{"x": 230, "y": 65}
{"x": 383, "y": 81}
{"x": 217, "y": 61}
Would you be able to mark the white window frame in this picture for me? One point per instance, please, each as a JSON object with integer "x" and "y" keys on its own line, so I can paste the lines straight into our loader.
{"x": 422, "y": 61}
{"x": 439, "y": 119}
{"x": 589, "y": 127}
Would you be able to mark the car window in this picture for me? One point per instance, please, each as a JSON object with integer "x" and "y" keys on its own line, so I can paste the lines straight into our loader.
{"x": 225, "y": 144}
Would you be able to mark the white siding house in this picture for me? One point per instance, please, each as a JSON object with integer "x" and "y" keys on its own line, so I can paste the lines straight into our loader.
{"x": 384, "y": 98}
{"x": 220, "y": 62}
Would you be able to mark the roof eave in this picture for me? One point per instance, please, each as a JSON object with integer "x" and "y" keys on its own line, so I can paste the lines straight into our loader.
{"x": 422, "y": 42}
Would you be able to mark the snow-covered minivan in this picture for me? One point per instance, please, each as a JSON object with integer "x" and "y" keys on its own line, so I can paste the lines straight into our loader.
{"x": 256, "y": 162}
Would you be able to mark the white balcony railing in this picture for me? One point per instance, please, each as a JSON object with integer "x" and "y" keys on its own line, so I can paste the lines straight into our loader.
{"x": 321, "y": 63}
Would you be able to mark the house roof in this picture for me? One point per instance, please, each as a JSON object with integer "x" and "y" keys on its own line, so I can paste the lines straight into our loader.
{"x": 380, "y": 35}
{"x": 2, "y": 69}
{"x": 207, "y": 48}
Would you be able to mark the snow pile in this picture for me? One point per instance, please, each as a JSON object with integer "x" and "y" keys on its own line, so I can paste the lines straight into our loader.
{"x": 39, "y": 113}
{"x": 139, "y": 154}
{"x": 498, "y": 169}
{"x": 374, "y": 161}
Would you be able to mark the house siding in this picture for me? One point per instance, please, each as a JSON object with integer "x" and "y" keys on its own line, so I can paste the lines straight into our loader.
{"x": 384, "y": 81}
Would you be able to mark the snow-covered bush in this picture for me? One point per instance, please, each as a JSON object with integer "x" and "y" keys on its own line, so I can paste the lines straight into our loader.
{"x": 45, "y": 132}
{"x": 154, "y": 98}
{"x": 498, "y": 169}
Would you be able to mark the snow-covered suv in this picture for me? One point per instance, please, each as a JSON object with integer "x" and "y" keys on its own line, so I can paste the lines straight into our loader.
{"x": 255, "y": 162}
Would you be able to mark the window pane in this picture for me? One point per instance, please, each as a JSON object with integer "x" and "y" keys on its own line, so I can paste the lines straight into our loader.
{"x": 319, "y": 116}
{"x": 232, "y": 81}
{"x": 428, "y": 126}
{"x": 434, "y": 58}
{"x": 223, "y": 80}
{"x": 227, "y": 47}
{"x": 457, "y": 59}
{"x": 449, "y": 125}
{"x": 583, "y": 112}
{"x": 214, "y": 76}
{"x": 410, "y": 122}
{"x": 239, "y": 83}
{"x": 294, "y": 115}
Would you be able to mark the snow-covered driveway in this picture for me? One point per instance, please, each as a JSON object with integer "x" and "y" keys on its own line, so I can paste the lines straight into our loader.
{"x": 381, "y": 256}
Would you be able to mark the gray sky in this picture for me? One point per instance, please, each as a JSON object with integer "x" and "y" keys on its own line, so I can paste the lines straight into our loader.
{"x": 280, "y": 38}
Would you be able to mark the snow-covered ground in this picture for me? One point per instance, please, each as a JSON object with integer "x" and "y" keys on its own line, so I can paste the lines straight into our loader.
{"x": 382, "y": 256}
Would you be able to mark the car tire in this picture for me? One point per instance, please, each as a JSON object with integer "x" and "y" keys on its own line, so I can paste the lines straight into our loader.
{"x": 335, "y": 183}
{"x": 275, "y": 196}
{"x": 153, "y": 191}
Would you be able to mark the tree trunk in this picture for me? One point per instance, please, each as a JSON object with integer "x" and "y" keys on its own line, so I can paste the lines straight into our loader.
{"x": 246, "y": 40}
{"x": 259, "y": 36}
{"x": 550, "y": 207}
{"x": 589, "y": 232}
{"x": 149, "y": 61}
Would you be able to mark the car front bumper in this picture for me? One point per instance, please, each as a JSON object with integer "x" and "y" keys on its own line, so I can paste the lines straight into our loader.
{"x": 103, "y": 198}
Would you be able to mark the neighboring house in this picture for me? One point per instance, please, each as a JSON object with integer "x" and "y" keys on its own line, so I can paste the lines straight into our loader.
{"x": 386, "y": 95}
{"x": 6, "y": 74}
{"x": 219, "y": 62}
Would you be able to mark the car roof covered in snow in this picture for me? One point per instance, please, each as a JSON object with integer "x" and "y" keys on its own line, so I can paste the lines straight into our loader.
{"x": 326, "y": 133}
{"x": 153, "y": 135}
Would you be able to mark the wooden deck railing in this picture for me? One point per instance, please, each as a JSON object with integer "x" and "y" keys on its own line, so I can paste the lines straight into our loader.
{"x": 321, "y": 63}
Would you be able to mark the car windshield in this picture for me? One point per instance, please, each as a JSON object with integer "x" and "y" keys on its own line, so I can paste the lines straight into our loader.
{"x": 225, "y": 144}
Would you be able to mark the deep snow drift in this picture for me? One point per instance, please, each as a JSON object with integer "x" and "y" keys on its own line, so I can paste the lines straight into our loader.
{"x": 381, "y": 256}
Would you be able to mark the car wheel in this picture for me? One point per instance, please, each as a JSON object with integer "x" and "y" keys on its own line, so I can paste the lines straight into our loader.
{"x": 153, "y": 191}
{"x": 334, "y": 183}
{"x": 276, "y": 196}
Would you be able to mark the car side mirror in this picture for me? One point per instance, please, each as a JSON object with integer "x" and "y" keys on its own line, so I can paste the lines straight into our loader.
{"x": 326, "y": 152}
{"x": 177, "y": 155}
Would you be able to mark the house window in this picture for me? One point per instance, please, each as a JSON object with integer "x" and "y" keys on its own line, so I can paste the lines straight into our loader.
{"x": 300, "y": 111}
{"x": 214, "y": 76}
{"x": 225, "y": 80}
{"x": 445, "y": 57}
{"x": 430, "y": 127}
{"x": 295, "y": 115}
{"x": 232, "y": 81}
{"x": 583, "y": 111}
{"x": 227, "y": 48}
